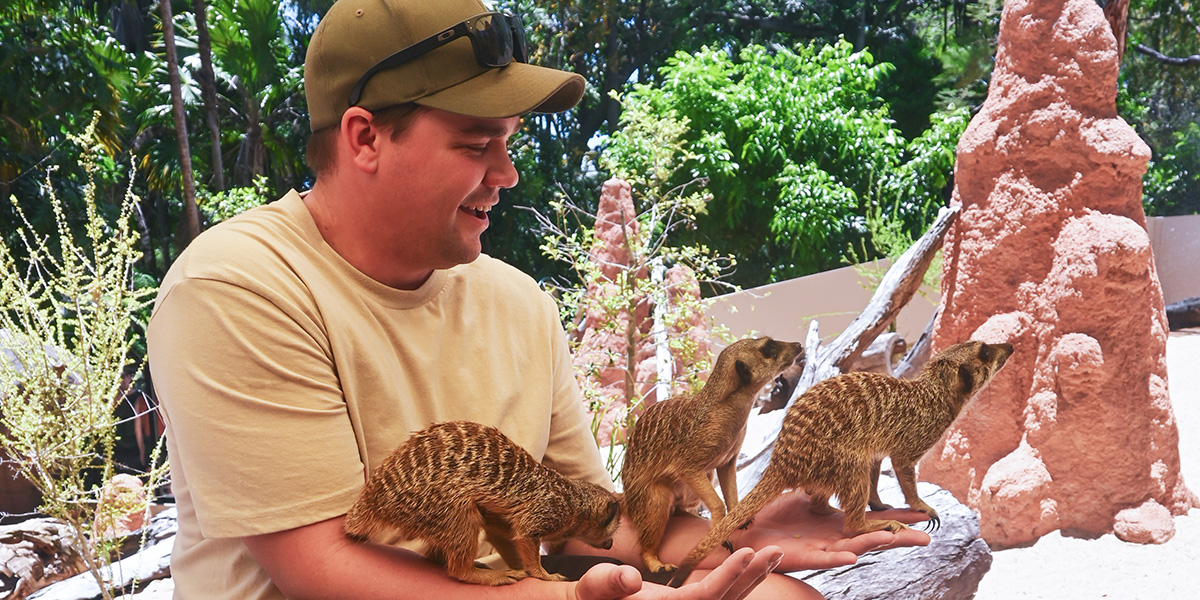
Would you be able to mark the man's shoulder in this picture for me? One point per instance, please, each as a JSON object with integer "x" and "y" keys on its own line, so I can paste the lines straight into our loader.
{"x": 249, "y": 243}
{"x": 501, "y": 276}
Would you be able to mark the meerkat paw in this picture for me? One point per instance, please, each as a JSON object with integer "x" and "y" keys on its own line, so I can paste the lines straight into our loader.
{"x": 875, "y": 525}
{"x": 880, "y": 506}
{"x": 934, "y": 522}
{"x": 894, "y": 526}
{"x": 654, "y": 565}
{"x": 546, "y": 576}
{"x": 490, "y": 577}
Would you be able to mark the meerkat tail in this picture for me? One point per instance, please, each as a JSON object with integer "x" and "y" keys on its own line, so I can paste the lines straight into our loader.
{"x": 768, "y": 489}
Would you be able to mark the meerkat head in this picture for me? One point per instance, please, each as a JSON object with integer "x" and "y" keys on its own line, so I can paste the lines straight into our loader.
{"x": 598, "y": 517}
{"x": 756, "y": 361}
{"x": 970, "y": 366}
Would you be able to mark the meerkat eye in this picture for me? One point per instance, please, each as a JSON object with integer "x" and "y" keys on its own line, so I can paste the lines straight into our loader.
{"x": 770, "y": 349}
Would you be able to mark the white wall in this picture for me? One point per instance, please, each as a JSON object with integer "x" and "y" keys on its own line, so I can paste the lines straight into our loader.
{"x": 783, "y": 310}
{"x": 1176, "y": 243}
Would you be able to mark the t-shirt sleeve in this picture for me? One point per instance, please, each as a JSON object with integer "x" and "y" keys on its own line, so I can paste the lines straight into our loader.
{"x": 252, "y": 400}
{"x": 572, "y": 449}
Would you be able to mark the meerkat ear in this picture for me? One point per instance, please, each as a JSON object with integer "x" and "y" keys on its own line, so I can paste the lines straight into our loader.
{"x": 614, "y": 511}
{"x": 966, "y": 380}
{"x": 743, "y": 372}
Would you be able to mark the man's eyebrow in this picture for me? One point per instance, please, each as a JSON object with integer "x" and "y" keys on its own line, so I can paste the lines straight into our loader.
{"x": 487, "y": 130}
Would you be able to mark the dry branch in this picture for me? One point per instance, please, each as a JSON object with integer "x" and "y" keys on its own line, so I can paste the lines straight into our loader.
{"x": 895, "y": 290}
{"x": 898, "y": 286}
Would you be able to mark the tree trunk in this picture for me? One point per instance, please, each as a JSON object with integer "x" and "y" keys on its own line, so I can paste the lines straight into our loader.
{"x": 208, "y": 90}
{"x": 191, "y": 214}
{"x": 1116, "y": 13}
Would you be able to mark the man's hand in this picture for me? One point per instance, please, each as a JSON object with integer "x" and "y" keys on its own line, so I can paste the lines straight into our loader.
{"x": 811, "y": 541}
{"x": 733, "y": 579}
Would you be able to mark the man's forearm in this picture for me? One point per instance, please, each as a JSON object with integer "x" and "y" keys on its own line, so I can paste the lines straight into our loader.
{"x": 318, "y": 561}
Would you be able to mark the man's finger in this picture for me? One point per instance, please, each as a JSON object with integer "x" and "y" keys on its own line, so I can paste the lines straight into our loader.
{"x": 756, "y": 572}
{"x": 717, "y": 582}
{"x": 607, "y": 581}
{"x": 878, "y": 540}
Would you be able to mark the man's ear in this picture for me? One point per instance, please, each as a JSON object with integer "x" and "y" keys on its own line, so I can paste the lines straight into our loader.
{"x": 359, "y": 139}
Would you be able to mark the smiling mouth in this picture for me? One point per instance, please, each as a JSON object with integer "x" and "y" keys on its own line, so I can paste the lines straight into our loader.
{"x": 480, "y": 213}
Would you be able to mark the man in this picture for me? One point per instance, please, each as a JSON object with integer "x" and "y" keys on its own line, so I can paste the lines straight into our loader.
{"x": 294, "y": 347}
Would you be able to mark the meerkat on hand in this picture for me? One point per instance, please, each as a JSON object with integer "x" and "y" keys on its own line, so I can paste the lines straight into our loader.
{"x": 833, "y": 437}
{"x": 451, "y": 480}
{"x": 677, "y": 443}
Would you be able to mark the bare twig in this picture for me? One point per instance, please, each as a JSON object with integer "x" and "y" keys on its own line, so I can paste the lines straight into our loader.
{"x": 1193, "y": 60}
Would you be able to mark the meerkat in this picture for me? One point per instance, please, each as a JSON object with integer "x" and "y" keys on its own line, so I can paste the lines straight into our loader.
{"x": 451, "y": 480}
{"x": 833, "y": 437}
{"x": 677, "y": 443}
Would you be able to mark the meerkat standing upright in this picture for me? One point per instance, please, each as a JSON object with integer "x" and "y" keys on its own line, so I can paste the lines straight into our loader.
{"x": 834, "y": 435}
{"x": 683, "y": 439}
{"x": 451, "y": 480}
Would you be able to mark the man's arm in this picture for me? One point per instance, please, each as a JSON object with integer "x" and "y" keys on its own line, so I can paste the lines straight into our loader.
{"x": 318, "y": 561}
{"x": 809, "y": 541}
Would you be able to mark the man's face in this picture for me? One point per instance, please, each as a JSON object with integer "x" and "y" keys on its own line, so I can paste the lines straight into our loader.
{"x": 446, "y": 172}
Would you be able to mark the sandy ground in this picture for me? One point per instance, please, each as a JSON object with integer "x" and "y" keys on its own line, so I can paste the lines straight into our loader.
{"x": 1077, "y": 569}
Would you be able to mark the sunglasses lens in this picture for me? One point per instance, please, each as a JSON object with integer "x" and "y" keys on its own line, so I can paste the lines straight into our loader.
{"x": 493, "y": 40}
{"x": 517, "y": 27}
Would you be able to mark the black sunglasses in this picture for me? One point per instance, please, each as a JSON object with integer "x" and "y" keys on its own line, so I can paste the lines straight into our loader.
{"x": 497, "y": 38}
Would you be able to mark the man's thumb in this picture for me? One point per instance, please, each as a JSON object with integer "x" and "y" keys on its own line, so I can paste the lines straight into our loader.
{"x": 607, "y": 581}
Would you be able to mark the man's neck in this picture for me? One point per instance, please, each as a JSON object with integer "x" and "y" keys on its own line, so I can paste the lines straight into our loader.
{"x": 340, "y": 228}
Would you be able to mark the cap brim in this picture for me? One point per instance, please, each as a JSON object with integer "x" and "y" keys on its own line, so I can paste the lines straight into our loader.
{"x": 510, "y": 91}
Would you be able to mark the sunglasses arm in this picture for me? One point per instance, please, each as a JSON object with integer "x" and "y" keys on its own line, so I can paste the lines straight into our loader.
{"x": 426, "y": 45}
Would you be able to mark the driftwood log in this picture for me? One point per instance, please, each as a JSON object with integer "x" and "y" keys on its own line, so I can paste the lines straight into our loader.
{"x": 898, "y": 286}
{"x": 895, "y": 290}
{"x": 35, "y": 554}
{"x": 1184, "y": 314}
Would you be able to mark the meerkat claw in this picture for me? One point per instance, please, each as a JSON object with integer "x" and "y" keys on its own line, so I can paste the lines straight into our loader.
{"x": 728, "y": 545}
{"x": 933, "y": 524}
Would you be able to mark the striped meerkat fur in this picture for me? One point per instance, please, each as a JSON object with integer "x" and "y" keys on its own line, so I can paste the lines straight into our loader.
{"x": 676, "y": 444}
{"x": 451, "y": 480}
{"x": 833, "y": 437}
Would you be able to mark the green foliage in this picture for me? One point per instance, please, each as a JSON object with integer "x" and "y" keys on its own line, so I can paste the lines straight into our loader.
{"x": 221, "y": 206}
{"x": 66, "y": 332}
{"x": 963, "y": 42}
{"x": 43, "y": 45}
{"x": 797, "y": 148}
{"x": 261, "y": 75}
{"x": 1172, "y": 181}
{"x": 1161, "y": 101}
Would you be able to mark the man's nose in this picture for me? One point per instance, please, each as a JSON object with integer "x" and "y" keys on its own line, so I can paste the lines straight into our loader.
{"x": 502, "y": 173}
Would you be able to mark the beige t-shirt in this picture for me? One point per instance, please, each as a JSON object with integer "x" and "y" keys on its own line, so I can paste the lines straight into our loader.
{"x": 286, "y": 375}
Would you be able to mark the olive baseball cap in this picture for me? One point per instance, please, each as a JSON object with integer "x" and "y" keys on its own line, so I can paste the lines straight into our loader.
{"x": 356, "y": 34}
